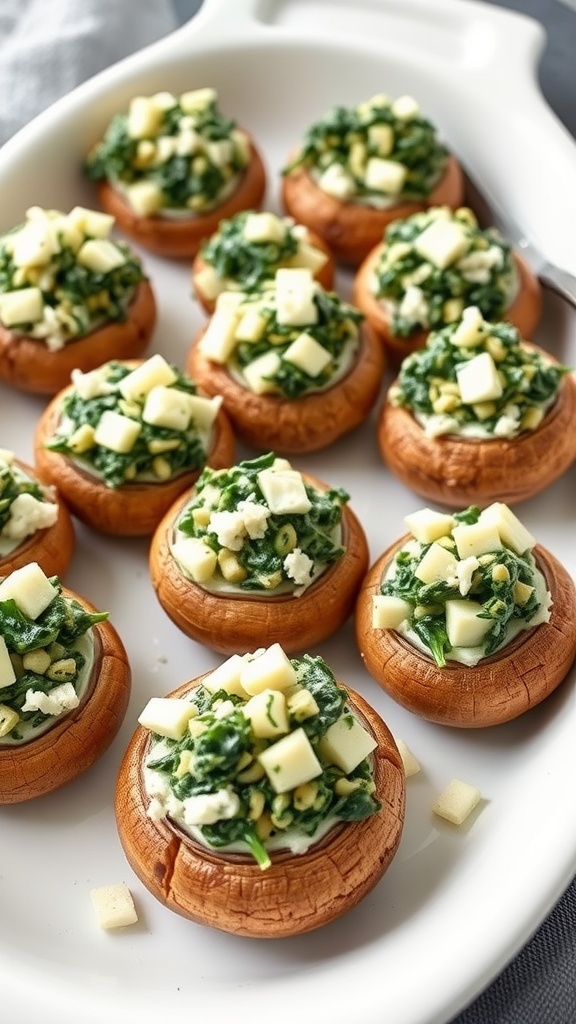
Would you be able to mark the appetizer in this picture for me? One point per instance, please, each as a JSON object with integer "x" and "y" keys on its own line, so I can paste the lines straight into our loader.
{"x": 295, "y": 365}
{"x": 428, "y": 267}
{"x": 255, "y": 549}
{"x": 71, "y": 297}
{"x": 466, "y": 620}
{"x": 171, "y": 167}
{"x": 245, "y": 795}
{"x": 123, "y": 441}
{"x": 360, "y": 168}
{"x": 64, "y": 684}
{"x": 479, "y": 415}
{"x": 247, "y": 250}
{"x": 35, "y": 524}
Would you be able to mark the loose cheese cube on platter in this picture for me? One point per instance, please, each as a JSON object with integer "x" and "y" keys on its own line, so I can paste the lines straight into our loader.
{"x": 270, "y": 670}
{"x": 463, "y": 625}
{"x": 155, "y": 371}
{"x": 389, "y": 611}
{"x": 478, "y": 380}
{"x": 268, "y": 714}
{"x": 290, "y": 762}
{"x": 22, "y": 306}
{"x": 167, "y": 716}
{"x": 442, "y": 243}
{"x": 457, "y": 801}
{"x": 308, "y": 355}
{"x": 512, "y": 531}
{"x": 346, "y": 743}
{"x": 113, "y": 906}
{"x": 116, "y": 432}
{"x": 437, "y": 564}
{"x": 284, "y": 491}
{"x": 410, "y": 763}
{"x": 30, "y": 588}
{"x": 426, "y": 525}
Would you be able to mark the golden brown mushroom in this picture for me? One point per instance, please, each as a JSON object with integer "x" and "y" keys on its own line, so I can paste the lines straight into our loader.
{"x": 53, "y": 546}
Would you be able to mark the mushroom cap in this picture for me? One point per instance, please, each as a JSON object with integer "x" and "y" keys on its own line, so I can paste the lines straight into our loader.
{"x": 351, "y": 230}
{"x": 79, "y": 738}
{"x": 53, "y": 547}
{"x": 229, "y": 623}
{"x": 497, "y": 689}
{"x": 28, "y": 364}
{"x": 298, "y": 892}
{"x": 298, "y": 425}
{"x": 181, "y": 237}
{"x": 458, "y": 471}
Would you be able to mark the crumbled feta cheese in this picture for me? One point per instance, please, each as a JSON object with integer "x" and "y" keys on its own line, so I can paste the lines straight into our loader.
{"x": 229, "y": 528}
{"x": 477, "y": 266}
{"x": 28, "y": 514}
{"x": 62, "y": 698}
{"x": 254, "y": 517}
{"x": 298, "y": 566}
{"x": 206, "y": 808}
{"x": 508, "y": 424}
{"x": 92, "y": 384}
{"x": 413, "y": 305}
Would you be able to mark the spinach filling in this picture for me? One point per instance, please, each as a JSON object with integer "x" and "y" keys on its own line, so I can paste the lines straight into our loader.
{"x": 530, "y": 382}
{"x": 222, "y": 754}
{"x": 160, "y": 452}
{"x": 485, "y": 277}
{"x": 236, "y": 258}
{"x": 192, "y": 180}
{"x": 344, "y": 131}
{"x": 43, "y": 654}
{"x": 335, "y": 329}
{"x": 502, "y": 583}
{"x": 12, "y": 484}
{"x": 259, "y": 563}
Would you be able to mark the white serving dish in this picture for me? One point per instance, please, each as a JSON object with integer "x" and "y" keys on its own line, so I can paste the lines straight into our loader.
{"x": 456, "y": 904}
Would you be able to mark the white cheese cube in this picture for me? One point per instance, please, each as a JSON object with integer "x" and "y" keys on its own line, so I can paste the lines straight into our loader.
{"x": 145, "y": 198}
{"x": 456, "y": 801}
{"x": 386, "y": 176}
{"x": 30, "y": 588}
{"x": 442, "y": 243}
{"x": 427, "y": 525}
{"x": 251, "y": 325}
{"x": 471, "y": 330}
{"x": 219, "y": 339}
{"x": 389, "y": 611}
{"x": 410, "y": 763}
{"x": 336, "y": 182}
{"x": 257, "y": 374}
{"x": 34, "y": 244}
{"x": 90, "y": 222}
{"x": 100, "y": 255}
{"x": 476, "y": 538}
{"x": 116, "y": 432}
{"x": 270, "y": 670}
{"x": 155, "y": 371}
{"x": 22, "y": 306}
{"x": 268, "y": 715}
{"x": 113, "y": 906}
{"x": 167, "y": 407}
{"x": 308, "y": 354}
{"x": 8, "y": 719}
{"x": 295, "y": 290}
{"x": 7, "y": 673}
{"x": 197, "y": 99}
{"x": 168, "y": 716}
{"x": 204, "y": 410}
{"x": 219, "y": 152}
{"x": 346, "y": 743}
{"x": 381, "y": 138}
{"x": 511, "y": 530}
{"x": 93, "y": 383}
{"x": 144, "y": 117}
{"x": 227, "y": 676}
{"x": 290, "y": 762}
{"x": 478, "y": 379}
{"x": 284, "y": 491}
{"x": 195, "y": 557}
{"x": 264, "y": 227}
{"x": 208, "y": 282}
{"x": 463, "y": 626}
{"x": 437, "y": 564}
{"x": 308, "y": 256}
{"x": 405, "y": 108}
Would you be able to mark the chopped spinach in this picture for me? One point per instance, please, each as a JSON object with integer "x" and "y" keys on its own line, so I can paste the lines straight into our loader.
{"x": 236, "y": 258}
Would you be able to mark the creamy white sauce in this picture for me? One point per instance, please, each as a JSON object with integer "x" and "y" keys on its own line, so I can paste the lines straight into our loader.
{"x": 347, "y": 360}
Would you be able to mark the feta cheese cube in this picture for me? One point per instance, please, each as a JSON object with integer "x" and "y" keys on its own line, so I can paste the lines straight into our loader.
{"x": 308, "y": 355}
{"x": 8, "y": 719}
{"x": 437, "y": 564}
{"x": 116, "y": 432}
{"x": 336, "y": 182}
{"x": 208, "y": 282}
{"x": 30, "y": 588}
{"x": 7, "y": 673}
{"x": 197, "y": 99}
{"x": 227, "y": 676}
{"x": 511, "y": 530}
{"x": 92, "y": 223}
{"x": 290, "y": 762}
{"x": 204, "y": 410}
{"x": 346, "y": 743}
{"x": 405, "y": 108}
{"x": 383, "y": 175}
{"x": 267, "y": 713}
{"x": 295, "y": 291}
{"x": 457, "y": 801}
{"x": 167, "y": 407}
{"x": 442, "y": 242}
{"x": 167, "y": 716}
{"x": 100, "y": 255}
{"x": 284, "y": 491}
{"x": 264, "y": 227}
{"x": 219, "y": 339}
{"x": 478, "y": 379}
{"x": 195, "y": 557}
{"x": 145, "y": 198}
{"x": 409, "y": 761}
{"x": 270, "y": 670}
{"x": 153, "y": 372}
{"x": 381, "y": 138}
{"x": 22, "y": 306}
{"x": 251, "y": 325}
{"x": 113, "y": 906}
{"x": 308, "y": 256}
{"x": 34, "y": 244}
{"x": 389, "y": 611}
{"x": 471, "y": 330}
{"x": 476, "y": 538}
{"x": 259, "y": 372}
{"x": 463, "y": 626}
{"x": 144, "y": 117}
{"x": 427, "y": 525}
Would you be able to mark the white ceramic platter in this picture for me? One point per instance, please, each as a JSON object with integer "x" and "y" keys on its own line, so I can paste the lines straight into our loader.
{"x": 456, "y": 903}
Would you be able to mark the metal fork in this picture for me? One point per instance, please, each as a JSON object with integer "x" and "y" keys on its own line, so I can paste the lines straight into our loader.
{"x": 489, "y": 212}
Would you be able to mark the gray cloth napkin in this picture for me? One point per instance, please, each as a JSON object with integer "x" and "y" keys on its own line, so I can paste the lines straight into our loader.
{"x": 47, "y": 47}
